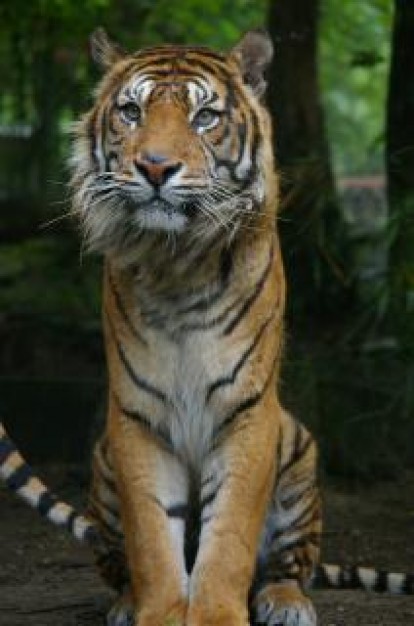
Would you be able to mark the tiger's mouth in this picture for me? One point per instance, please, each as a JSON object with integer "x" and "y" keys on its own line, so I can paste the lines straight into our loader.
{"x": 158, "y": 213}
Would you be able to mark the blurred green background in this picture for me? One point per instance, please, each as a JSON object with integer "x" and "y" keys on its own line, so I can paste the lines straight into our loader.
{"x": 342, "y": 96}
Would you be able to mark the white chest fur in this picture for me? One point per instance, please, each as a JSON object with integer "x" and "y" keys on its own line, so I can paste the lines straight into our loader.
{"x": 188, "y": 418}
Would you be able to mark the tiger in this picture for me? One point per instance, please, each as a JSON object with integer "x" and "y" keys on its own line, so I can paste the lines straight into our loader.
{"x": 204, "y": 505}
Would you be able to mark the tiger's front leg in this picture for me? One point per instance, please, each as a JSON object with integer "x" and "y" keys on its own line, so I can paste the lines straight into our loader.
{"x": 153, "y": 492}
{"x": 236, "y": 484}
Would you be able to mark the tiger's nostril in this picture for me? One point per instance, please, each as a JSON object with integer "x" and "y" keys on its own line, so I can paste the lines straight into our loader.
{"x": 156, "y": 168}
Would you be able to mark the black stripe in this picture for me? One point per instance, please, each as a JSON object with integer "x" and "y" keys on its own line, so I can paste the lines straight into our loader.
{"x": 181, "y": 51}
{"x": 246, "y": 404}
{"x": 138, "y": 417}
{"x": 320, "y": 579}
{"x": 221, "y": 134}
{"x": 204, "y": 252}
{"x": 230, "y": 378}
{"x": 207, "y": 480}
{"x": 253, "y": 297}
{"x": 207, "y": 519}
{"x": 255, "y": 145}
{"x": 46, "y": 502}
{"x": 206, "y": 301}
{"x": 103, "y": 129}
{"x": 189, "y": 187}
{"x": 408, "y": 585}
{"x": 349, "y": 578}
{"x": 70, "y": 521}
{"x": 140, "y": 382}
{"x": 92, "y": 536}
{"x": 210, "y": 323}
{"x": 381, "y": 584}
{"x": 241, "y": 134}
{"x": 212, "y": 64}
{"x": 7, "y": 448}
{"x": 299, "y": 522}
{"x": 141, "y": 419}
{"x": 309, "y": 538}
{"x": 92, "y": 138}
{"x": 178, "y": 510}
{"x": 292, "y": 500}
{"x": 248, "y": 178}
{"x": 243, "y": 406}
{"x": 275, "y": 570}
{"x": 276, "y": 574}
{"x": 107, "y": 528}
{"x": 122, "y": 311}
{"x": 103, "y": 465}
{"x": 279, "y": 449}
{"x": 209, "y": 499}
{"x": 109, "y": 482}
{"x": 19, "y": 477}
{"x": 298, "y": 450}
{"x": 108, "y": 158}
{"x": 97, "y": 501}
{"x": 182, "y": 78}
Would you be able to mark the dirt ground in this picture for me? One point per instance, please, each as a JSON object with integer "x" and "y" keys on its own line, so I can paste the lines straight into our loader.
{"x": 46, "y": 579}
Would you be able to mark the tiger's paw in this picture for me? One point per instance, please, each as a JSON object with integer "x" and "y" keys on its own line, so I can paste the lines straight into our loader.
{"x": 122, "y": 612}
{"x": 283, "y": 604}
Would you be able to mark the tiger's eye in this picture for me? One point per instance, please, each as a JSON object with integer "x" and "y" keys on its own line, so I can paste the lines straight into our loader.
{"x": 205, "y": 119}
{"x": 130, "y": 112}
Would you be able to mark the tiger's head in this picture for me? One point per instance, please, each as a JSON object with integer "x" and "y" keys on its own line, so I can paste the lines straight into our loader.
{"x": 177, "y": 142}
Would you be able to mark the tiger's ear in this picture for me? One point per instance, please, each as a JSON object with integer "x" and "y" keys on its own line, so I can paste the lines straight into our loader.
{"x": 254, "y": 53}
{"x": 103, "y": 51}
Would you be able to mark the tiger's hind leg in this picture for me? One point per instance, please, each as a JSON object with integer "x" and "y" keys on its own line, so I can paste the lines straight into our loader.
{"x": 290, "y": 544}
{"x": 110, "y": 555}
{"x": 122, "y": 611}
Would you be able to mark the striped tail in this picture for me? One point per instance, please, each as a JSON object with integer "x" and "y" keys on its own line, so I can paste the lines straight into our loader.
{"x": 20, "y": 478}
{"x": 328, "y": 576}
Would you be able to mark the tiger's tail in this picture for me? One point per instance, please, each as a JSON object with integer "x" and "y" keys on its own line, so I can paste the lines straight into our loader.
{"x": 328, "y": 576}
{"x": 20, "y": 478}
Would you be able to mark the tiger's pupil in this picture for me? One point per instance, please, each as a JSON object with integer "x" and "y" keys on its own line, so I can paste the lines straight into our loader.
{"x": 131, "y": 112}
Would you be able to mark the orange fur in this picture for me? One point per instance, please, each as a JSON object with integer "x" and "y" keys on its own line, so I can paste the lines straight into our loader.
{"x": 194, "y": 335}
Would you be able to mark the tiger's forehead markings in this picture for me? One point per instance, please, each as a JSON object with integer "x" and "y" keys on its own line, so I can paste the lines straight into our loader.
{"x": 139, "y": 89}
{"x": 142, "y": 88}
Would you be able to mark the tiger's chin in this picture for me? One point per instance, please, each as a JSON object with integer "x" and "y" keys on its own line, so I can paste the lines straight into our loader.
{"x": 159, "y": 215}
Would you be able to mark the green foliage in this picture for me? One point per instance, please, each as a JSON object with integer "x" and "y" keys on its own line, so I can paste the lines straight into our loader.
{"x": 43, "y": 279}
{"x": 218, "y": 24}
{"x": 354, "y": 62}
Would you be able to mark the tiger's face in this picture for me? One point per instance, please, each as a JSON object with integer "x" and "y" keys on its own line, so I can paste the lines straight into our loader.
{"x": 177, "y": 141}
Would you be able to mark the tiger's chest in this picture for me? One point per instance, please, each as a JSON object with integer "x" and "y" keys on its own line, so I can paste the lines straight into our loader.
{"x": 186, "y": 370}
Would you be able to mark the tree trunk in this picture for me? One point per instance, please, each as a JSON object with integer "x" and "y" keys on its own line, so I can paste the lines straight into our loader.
{"x": 400, "y": 170}
{"x": 309, "y": 218}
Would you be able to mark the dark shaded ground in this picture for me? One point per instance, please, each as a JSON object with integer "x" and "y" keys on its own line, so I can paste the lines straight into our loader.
{"x": 46, "y": 579}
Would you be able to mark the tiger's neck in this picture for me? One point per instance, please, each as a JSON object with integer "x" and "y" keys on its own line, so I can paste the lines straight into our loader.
{"x": 164, "y": 267}
{"x": 181, "y": 286}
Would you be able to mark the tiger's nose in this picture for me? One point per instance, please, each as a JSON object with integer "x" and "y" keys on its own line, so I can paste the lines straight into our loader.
{"x": 156, "y": 168}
